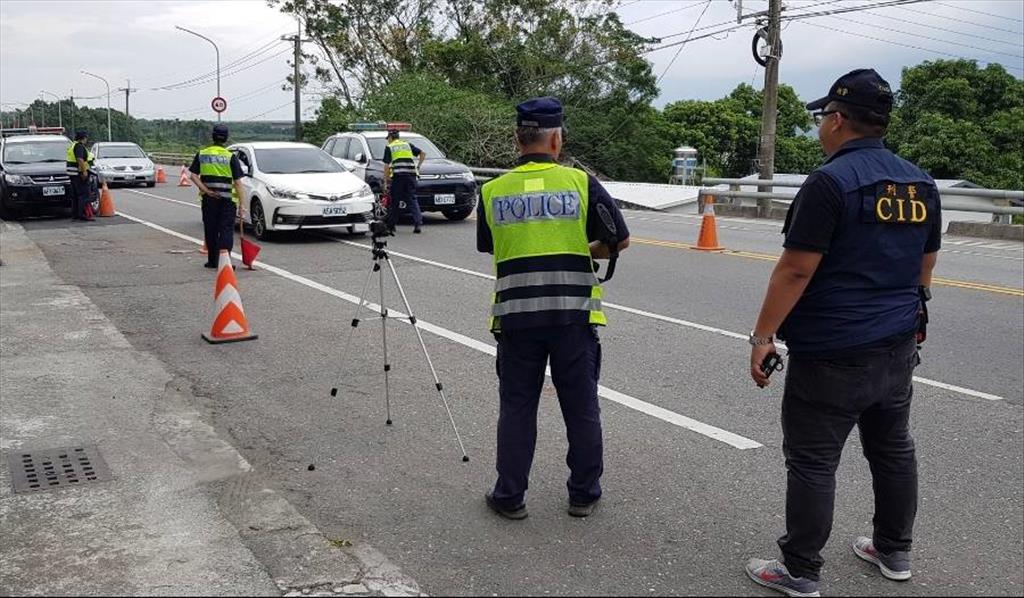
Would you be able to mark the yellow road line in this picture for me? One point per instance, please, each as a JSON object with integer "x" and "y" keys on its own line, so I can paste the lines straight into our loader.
{"x": 948, "y": 282}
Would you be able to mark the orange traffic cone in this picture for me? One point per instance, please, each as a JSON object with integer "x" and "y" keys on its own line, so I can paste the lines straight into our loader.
{"x": 229, "y": 324}
{"x": 183, "y": 180}
{"x": 161, "y": 176}
{"x": 106, "y": 202}
{"x": 708, "y": 239}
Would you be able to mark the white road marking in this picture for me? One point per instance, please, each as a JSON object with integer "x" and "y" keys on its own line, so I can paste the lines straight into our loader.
{"x": 631, "y": 310}
{"x": 730, "y": 438}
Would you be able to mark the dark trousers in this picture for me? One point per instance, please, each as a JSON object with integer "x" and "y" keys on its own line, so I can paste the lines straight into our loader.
{"x": 218, "y": 226}
{"x": 575, "y": 354}
{"x": 403, "y": 189}
{"x": 823, "y": 400}
{"x": 79, "y": 196}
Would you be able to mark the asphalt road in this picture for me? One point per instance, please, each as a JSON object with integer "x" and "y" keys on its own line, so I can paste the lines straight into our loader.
{"x": 694, "y": 481}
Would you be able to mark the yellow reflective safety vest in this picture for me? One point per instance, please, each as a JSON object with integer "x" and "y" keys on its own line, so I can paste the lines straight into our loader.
{"x": 72, "y": 162}
{"x": 537, "y": 215}
{"x": 215, "y": 170}
{"x": 402, "y": 157}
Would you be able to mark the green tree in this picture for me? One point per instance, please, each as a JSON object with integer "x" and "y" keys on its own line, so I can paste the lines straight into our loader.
{"x": 726, "y": 132}
{"x": 959, "y": 121}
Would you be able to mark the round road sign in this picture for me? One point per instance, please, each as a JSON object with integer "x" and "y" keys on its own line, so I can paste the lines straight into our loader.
{"x": 219, "y": 104}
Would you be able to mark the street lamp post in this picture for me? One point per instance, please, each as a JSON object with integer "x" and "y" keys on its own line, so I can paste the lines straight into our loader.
{"x": 215, "y": 48}
{"x": 60, "y": 115}
{"x": 109, "y": 137}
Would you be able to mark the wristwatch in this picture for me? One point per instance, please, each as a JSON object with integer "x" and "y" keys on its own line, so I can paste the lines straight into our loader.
{"x": 755, "y": 340}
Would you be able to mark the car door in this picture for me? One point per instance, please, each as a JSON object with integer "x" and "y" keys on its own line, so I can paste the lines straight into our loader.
{"x": 354, "y": 150}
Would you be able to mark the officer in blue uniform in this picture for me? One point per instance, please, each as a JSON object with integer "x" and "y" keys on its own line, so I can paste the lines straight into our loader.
{"x": 545, "y": 223}
{"x": 847, "y": 295}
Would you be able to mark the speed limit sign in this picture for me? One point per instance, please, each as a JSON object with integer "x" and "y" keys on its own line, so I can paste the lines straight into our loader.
{"x": 219, "y": 104}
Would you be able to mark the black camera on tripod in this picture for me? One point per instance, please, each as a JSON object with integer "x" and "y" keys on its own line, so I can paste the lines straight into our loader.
{"x": 379, "y": 228}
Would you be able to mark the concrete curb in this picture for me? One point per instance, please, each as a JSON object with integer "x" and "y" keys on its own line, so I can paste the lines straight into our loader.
{"x": 185, "y": 513}
{"x": 987, "y": 230}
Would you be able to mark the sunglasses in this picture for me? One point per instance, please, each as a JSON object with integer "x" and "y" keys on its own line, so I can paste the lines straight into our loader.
{"x": 819, "y": 116}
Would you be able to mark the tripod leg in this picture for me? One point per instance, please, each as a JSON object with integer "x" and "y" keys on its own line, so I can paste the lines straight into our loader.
{"x": 423, "y": 346}
{"x": 384, "y": 338}
{"x": 355, "y": 322}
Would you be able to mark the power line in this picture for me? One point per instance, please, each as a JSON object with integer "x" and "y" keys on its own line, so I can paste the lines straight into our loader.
{"x": 675, "y": 10}
{"x": 929, "y": 38}
{"x": 895, "y": 43}
{"x": 288, "y": 103}
{"x": 943, "y": 29}
{"x": 980, "y": 12}
{"x": 919, "y": 12}
{"x": 234, "y": 72}
{"x": 846, "y": 9}
{"x": 206, "y": 77}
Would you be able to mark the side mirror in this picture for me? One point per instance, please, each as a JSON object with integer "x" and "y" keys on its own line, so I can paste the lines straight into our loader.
{"x": 361, "y": 158}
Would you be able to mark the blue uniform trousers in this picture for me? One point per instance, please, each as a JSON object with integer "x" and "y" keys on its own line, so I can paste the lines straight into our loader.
{"x": 403, "y": 189}
{"x": 218, "y": 225}
{"x": 575, "y": 354}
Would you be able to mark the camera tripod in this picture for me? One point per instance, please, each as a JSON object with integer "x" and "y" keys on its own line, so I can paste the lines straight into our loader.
{"x": 379, "y": 250}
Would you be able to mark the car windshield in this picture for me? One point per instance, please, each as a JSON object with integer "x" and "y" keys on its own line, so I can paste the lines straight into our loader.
{"x": 34, "y": 152}
{"x": 378, "y": 144}
{"x": 296, "y": 160}
{"x": 119, "y": 151}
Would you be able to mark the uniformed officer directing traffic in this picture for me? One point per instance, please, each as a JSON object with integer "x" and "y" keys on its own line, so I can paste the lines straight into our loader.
{"x": 78, "y": 162}
{"x": 400, "y": 175}
{"x": 861, "y": 240}
{"x": 216, "y": 172}
{"x": 541, "y": 223}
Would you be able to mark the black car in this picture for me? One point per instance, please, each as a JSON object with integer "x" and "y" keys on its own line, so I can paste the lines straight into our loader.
{"x": 33, "y": 177}
{"x": 444, "y": 185}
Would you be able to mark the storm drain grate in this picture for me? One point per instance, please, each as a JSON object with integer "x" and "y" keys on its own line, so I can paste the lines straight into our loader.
{"x": 50, "y": 469}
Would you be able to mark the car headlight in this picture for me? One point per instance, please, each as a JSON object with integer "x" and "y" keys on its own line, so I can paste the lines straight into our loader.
{"x": 365, "y": 193}
{"x": 281, "y": 193}
{"x": 18, "y": 179}
{"x": 469, "y": 176}
{"x": 102, "y": 168}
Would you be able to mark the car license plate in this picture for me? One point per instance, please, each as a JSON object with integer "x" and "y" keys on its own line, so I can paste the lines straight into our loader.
{"x": 335, "y": 211}
{"x": 444, "y": 199}
{"x": 49, "y": 191}
{"x": 129, "y": 177}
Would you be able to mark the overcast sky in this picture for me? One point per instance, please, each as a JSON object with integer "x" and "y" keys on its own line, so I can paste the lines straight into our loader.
{"x": 45, "y": 45}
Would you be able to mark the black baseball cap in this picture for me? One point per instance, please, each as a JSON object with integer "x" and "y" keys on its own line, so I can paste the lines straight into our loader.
{"x": 220, "y": 131}
{"x": 862, "y": 87}
{"x": 81, "y": 134}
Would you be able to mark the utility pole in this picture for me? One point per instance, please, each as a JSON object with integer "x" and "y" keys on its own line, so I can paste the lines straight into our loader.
{"x": 297, "y": 40}
{"x": 127, "y": 91}
{"x": 770, "y": 107}
{"x": 71, "y": 102}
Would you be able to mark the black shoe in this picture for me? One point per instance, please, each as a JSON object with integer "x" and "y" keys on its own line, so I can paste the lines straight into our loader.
{"x": 586, "y": 510}
{"x": 417, "y": 230}
{"x": 515, "y": 514}
{"x": 209, "y": 265}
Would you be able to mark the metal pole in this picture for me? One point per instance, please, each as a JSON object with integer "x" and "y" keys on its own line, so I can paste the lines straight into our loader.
{"x": 215, "y": 49}
{"x": 770, "y": 107}
{"x": 107, "y": 83}
{"x": 71, "y": 101}
{"x": 60, "y": 116}
{"x": 298, "y": 111}
{"x": 42, "y": 110}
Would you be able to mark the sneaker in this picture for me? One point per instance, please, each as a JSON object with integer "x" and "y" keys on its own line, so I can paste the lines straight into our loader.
{"x": 417, "y": 230}
{"x": 515, "y": 514}
{"x": 774, "y": 575}
{"x": 894, "y": 566}
{"x": 577, "y": 510}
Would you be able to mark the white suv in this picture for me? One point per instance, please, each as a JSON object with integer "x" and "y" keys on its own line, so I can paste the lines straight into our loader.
{"x": 292, "y": 186}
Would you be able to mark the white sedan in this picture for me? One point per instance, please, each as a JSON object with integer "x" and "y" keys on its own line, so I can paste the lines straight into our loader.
{"x": 292, "y": 186}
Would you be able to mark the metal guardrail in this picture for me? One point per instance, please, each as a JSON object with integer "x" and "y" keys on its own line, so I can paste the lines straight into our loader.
{"x": 170, "y": 158}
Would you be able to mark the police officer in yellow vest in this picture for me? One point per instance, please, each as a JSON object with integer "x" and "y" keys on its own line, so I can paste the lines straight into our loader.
{"x": 216, "y": 172}
{"x": 78, "y": 162}
{"x": 541, "y": 223}
{"x": 400, "y": 174}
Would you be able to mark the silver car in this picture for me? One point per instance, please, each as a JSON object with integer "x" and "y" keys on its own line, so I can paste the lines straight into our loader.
{"x": 123, "y": 163}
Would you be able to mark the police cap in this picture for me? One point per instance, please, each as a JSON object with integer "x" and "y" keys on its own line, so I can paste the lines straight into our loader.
{"x": 544, "y": 113}
{"x": 81, "y": 134}
{"x": 220, "y": 131}
{"x": 862, "y": 87}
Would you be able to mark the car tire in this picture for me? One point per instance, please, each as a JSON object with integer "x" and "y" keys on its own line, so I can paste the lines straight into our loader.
{"x": 151, "y": 184}
{"x": 459, "y": 214}
{"x": 259, "y": 221}
{"x": 7, "y": 213}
